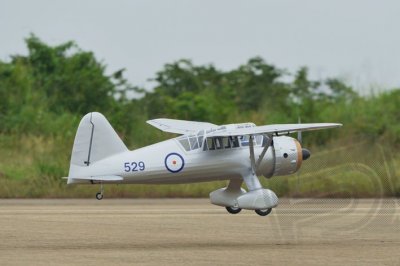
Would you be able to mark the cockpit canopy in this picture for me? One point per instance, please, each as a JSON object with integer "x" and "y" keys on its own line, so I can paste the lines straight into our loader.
{"x": 192, "y": 142}
{"x": 201, "y": 141}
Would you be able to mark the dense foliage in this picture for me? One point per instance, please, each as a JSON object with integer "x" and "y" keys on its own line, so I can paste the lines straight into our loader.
{"x": 44, "y": 94}
{"x": 41, "y": 91}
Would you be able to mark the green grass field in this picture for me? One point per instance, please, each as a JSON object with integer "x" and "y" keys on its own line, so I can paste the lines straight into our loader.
{"x": 32, "y": 167}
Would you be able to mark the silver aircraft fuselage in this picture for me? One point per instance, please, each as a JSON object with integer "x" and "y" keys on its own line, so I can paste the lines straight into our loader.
{"x": 168, "y": 162}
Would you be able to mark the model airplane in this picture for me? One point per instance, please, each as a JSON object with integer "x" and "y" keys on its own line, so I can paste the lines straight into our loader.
{"x": 203, "y": 152}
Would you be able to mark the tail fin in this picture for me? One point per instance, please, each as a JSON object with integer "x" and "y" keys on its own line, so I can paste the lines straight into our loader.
{"x": 94, "y": 140}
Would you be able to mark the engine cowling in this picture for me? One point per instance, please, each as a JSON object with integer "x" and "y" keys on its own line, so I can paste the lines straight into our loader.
{"x": 286, "y": 157}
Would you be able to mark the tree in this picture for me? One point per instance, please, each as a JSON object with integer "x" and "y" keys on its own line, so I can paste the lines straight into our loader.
{"x": 72, "y": 79}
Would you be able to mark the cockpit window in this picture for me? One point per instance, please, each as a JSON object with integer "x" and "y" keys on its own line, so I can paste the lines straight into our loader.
{"x": 264, "y": 141}
{"x": 192, "y": 142}
{"x": 227, "y": 143}
{"x": 209, "y": 144}
{"x": 219, "y": 143}
{"x": 200, "y": 137}
{"x": 235, "y": 141}
{"x": 244, "y": 140}
{"x": 185, "y": 143}
{"x": 258, "y": 139}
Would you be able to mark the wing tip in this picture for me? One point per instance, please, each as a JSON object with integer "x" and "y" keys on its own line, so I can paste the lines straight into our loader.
{"x": 336, "y": 124}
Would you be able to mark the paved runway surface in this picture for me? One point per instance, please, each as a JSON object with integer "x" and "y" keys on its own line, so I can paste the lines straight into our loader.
{"x": 193, "y": 232}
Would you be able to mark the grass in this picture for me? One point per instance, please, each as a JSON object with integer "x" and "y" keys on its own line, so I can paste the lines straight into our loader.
{"x": 32, "y": 167}
{"x": 357, "y": 170}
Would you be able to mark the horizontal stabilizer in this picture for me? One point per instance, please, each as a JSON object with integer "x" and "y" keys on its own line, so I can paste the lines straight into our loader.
{"x": 180, "y": 126}
{"x": 100, "y": 178}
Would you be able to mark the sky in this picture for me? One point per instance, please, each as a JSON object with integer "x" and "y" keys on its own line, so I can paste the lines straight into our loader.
{"x": 355, "y": 40}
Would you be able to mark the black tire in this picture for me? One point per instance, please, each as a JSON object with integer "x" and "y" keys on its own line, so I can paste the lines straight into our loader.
{"x": 264, "y": 212}
{"x": 99, "y": 196}
{"x": 233, "y": 210}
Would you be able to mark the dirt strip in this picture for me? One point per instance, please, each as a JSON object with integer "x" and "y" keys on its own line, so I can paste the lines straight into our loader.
{"x": 193, "y": 232}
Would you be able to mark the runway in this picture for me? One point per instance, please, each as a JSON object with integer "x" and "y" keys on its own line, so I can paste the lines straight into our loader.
{"x": 194, "y": 232}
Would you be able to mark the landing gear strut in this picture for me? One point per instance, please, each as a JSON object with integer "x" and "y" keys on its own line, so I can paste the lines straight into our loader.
{"x": 264, "y": 212}
{"x": 99, "y": 195}
{"x": 233, "y": 210}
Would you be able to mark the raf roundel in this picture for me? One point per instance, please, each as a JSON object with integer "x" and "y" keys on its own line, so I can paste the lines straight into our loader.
{"x": 174, "y": 162}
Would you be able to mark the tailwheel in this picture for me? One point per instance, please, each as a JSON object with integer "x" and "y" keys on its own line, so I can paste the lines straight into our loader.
{"x": 263, "y": 212}
{"x": 99, "y": 195}
{"x": 233, "y": 210}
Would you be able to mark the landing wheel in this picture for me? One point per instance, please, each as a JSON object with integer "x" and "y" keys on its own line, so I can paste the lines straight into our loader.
{"x": 233, "y": 210}
{"x": 263, "y": 212}
{"x": 99, "y": 195}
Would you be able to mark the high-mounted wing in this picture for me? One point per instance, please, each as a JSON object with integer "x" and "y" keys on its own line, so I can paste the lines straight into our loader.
{"x": 180, "y": 126}
{"x": 270, "y": 129}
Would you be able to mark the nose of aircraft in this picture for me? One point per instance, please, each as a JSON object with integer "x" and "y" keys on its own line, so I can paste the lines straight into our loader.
{"x": 306, "y": 154}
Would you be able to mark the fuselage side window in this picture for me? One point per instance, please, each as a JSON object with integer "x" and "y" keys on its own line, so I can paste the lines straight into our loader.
{"x": 185, "y": 143}
{"x": 258, "y": 139}
{"x": 219, "y": 143}
{"x": 193, "y": 142}
{"x": 210, "y": 144}
{"x": 200, "y": 136}
{"x": 205, "y": 146}
{"x": 227, "y": 143}
{"x": 235, "y": 141}
{"x": 244, "y": 140}
{"x": 264, "y": 140}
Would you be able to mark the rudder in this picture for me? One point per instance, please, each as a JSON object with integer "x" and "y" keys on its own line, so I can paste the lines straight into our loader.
{"x": 95, "y": 140}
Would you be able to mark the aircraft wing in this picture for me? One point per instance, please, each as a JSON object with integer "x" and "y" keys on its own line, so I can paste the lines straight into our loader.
{"x": 271, "y": 129}
{"x": 101, "y": 178}
{"x": 180, "y": 126}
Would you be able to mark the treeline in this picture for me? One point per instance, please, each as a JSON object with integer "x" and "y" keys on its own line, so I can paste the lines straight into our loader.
{"x": 44, "y": 94}
{"x": 49, "y": 89}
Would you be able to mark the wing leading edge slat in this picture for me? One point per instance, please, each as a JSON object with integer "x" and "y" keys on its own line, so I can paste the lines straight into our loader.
{"x": 191, "y": 127}
{"x": 272, "y": 129}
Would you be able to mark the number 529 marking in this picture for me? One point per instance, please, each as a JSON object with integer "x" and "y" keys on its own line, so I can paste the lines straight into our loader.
{"x": 134, "y": 166}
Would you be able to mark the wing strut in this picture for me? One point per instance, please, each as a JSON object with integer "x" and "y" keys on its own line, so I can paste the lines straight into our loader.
{"x": 254, "y": 164}
{"x": 250, "y": 178}
{"x": 252, "y": 158}
{"x": 267, "y": 145}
